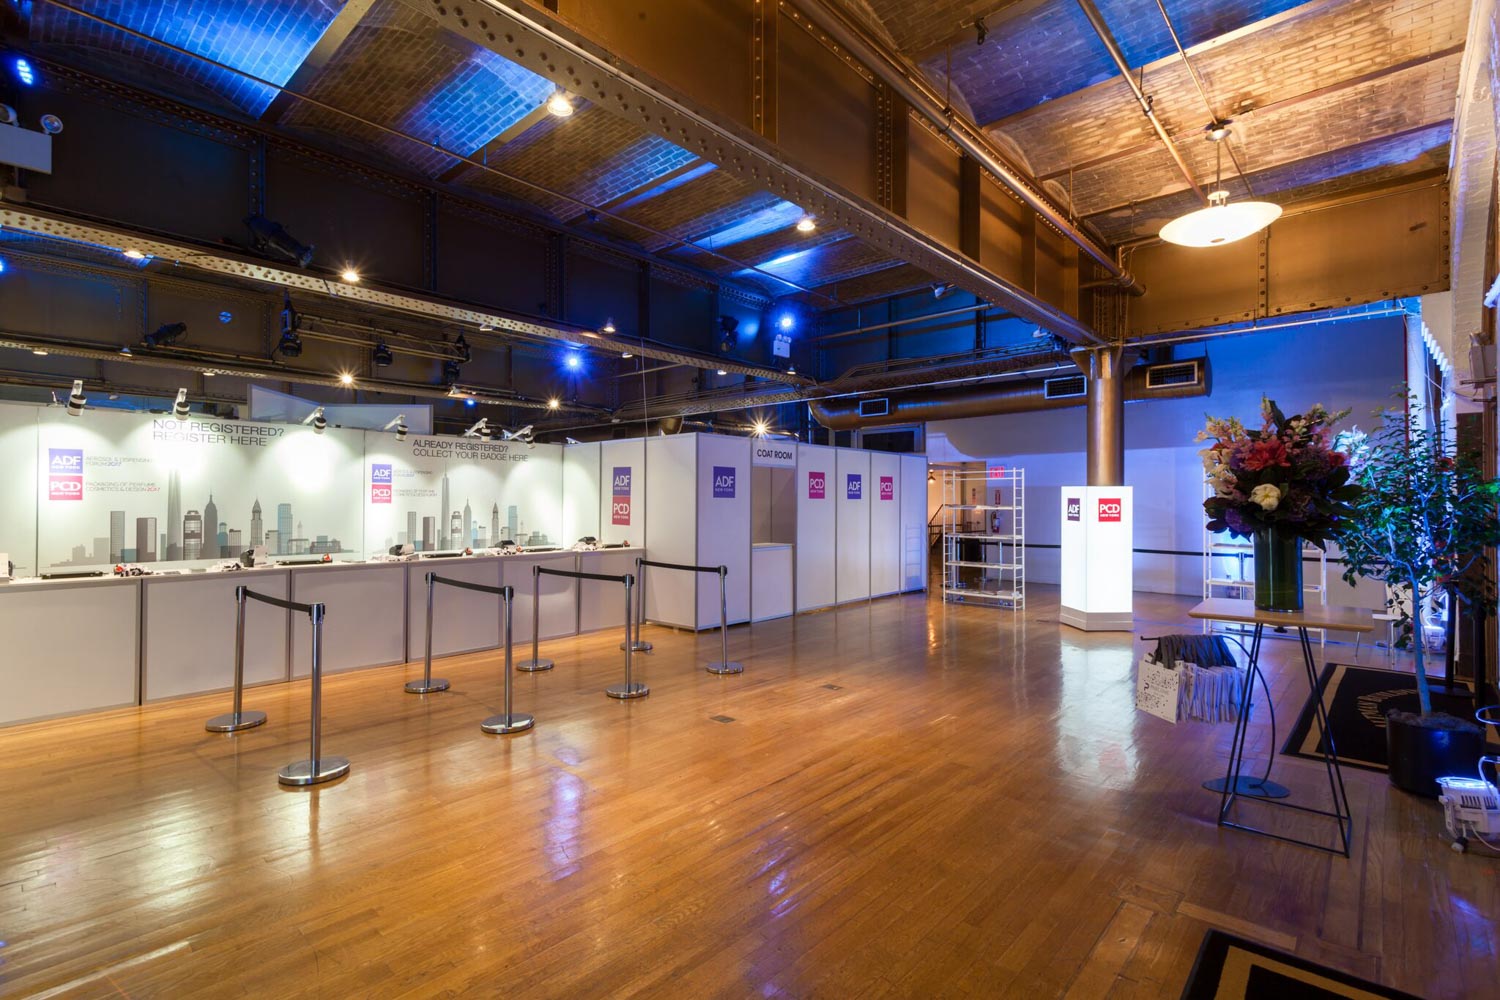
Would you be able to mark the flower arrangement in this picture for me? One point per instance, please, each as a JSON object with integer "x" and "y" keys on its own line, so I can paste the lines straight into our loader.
{"x": 1286, "y": 475}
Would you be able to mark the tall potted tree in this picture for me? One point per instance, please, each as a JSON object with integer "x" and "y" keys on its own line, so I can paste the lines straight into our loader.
{"x": 1423, "y": 520}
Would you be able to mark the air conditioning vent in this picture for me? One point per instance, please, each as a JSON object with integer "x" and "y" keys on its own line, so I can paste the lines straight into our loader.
{"x": 1166, "y": 376}
{"x": 874, "y": 407}
{"x": 1066, "y": 387}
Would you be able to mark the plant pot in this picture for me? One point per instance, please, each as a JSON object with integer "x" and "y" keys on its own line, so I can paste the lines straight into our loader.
{"x": 1423, "y": 748}
{"x": 1278, "y": 570}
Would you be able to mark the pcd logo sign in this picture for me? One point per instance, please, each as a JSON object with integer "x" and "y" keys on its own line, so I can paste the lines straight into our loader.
{"x": 380, "y": 484}
{"x": 817, "y": 486}
{"x": 887, "y": 487}
{"x": 64, "y": 473}
{"x": 619, "y": 508}
{"x": 1075, "y": 509}
{"x": 723, "y": 482}
{"x": 1109, "y": 510}
{"x": 854, "y": 486}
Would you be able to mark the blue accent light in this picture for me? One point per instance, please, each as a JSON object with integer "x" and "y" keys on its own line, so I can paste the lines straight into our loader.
{"x": 786, "y": 322}
{"x": 2, "y": 265}
{"x": 471, "y": 402}
{"x": 480, "y": 99}
{"x": 24, "y": 72}
{"x": 574, "y": 362}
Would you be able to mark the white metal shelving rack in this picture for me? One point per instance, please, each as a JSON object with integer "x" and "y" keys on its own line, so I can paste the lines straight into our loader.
{"x": 985, "y": 511}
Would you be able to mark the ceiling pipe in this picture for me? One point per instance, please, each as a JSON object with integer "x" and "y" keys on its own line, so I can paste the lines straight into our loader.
{"x": 1107, "y": 37}
{"x": 909, "y": 321}
{"x": 985, "y": 401}
{"x": 907, "y": 81}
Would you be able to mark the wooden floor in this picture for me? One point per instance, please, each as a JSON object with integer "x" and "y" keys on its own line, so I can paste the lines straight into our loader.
{"x": 900, "y": 798}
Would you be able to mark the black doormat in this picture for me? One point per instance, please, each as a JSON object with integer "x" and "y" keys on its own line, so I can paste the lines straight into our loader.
{"x": 1357, "y": 699}
{"x": 1231, "y": 968}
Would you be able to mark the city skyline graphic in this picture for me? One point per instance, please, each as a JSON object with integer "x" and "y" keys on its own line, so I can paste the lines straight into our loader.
{"x": 458, "y": 528}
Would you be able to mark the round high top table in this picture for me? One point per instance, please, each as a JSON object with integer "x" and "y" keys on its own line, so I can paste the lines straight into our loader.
{"x": 1328, "y": 617}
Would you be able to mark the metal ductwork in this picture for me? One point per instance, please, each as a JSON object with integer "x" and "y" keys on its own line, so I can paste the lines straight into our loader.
{"x": 1170, "y": 380}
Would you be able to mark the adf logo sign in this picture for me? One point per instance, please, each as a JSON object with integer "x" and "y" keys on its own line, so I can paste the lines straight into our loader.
{"x": 1109, "y": 510}
{"x": 64, "y": 473}
{"x": 619, "y": 508}
{"x": 817, "y": 486}
{"x": 380, "y": 483}
{"x": 854, "y": 487}
{"x": 723, "y": 482}
{"x": 1075, "y": 509}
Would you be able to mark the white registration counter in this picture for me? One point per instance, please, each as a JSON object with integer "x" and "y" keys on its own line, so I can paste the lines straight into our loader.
{"x": 86, "y": 644}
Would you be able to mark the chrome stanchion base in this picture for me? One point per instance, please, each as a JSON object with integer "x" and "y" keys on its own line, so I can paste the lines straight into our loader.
{"x": 1250, "y": 787}
{"x": 306, "y": 772}
{"x": 423, "y": 687}
{"x": 627, "y": 691}
{"x": 638, "y": 646}
{"x": 516, "y": 722}
{"x": 233, "y": 722}
{"x": 725, "y": 668}
{"x": 532, "y": 666}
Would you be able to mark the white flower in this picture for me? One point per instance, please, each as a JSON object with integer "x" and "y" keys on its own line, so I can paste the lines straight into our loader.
{"x": 1266, "y": 495}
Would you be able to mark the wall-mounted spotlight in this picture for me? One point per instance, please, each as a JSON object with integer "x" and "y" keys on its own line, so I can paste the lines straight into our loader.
{"x": 399, "y": 426}
{"x": 165, "y": 334}
{"x": 8, "y": 115}
{"x": 76, "y": 399}
{"x": 180, "y": 409}
{"x": 560, "y": 104}
{"x": 479, "y": 429}
{"x": 522, "y": 434}
{"x": 290, "y": 344}
{"x": 271, "y": 238}
{"x": 318, "y": 421}
{"x": 51, "y": 124}
{"x": 941, "y": 288}
{"x": 382, "y": 356}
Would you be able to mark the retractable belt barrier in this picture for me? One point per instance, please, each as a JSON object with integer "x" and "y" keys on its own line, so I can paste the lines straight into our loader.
{"x": 317, "y": 768}
{"x": 724, "y": 665}
{"x": 630, "y": 689}
{"x": 508, "y": 721}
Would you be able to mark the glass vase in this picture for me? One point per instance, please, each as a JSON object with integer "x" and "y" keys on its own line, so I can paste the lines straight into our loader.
{"x": 1278, "y": 570}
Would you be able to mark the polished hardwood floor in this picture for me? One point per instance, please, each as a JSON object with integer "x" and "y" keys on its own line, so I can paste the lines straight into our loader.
{"x": 900, "y": 798}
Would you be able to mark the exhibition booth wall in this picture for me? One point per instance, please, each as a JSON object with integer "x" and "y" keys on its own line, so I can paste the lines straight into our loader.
{"x": 182, "y": 499}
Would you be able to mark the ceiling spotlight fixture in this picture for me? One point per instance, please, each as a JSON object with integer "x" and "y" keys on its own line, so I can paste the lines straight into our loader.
{"x": 318, "y": 421}
{"x": 981, "y": 31}
{"x": 180, "y": 408}
{"x": 134, "y": 254}
{"x": 350, "y": 275}
{"x": 481, "y": 428}
{"x": 554, "y": 403}
{"x": 721, "y": 372}
{"x": 791, "y": 369}
{"x": 560, "y": 104}
{"x": 76, "y": 399}
{"x": 51, "y": 124}
{"x": 24, "y": 72}
{"x": 465, "y": 355}
{"x": 165, "y": 334}
{"x": 609, "y": 326}
{"x": 626, "y": 354}
{"x": 786, "y": 321}
{"x": 7, "y": 115}
{"x": 806, "y": 224}
{"x": 346, "y": 378}
{"x": 271, "y": 238}
{"x": 40, "y": 352}
{"x": 727, "y": 326}
{"x": 1222, "y": 221}
{"x": 450, "y": 371}
{"x": 522, "y": 434}
{"x": 381, "y": 356}
{"x": 573, "y": 361}
{"x": 399, "y": 426}
{"x": 941, "y": 288}
{"x": 760, "y": 428}
{"x": 290, "y": 344}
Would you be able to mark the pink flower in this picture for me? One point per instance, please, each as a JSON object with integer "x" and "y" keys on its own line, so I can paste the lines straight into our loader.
{"x": 1263, "y": 454}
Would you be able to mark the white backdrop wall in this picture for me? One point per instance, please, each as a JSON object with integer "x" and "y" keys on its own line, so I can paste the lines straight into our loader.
{"x": 1354, "y": 364}
{"x": 852, "y": 501}
{"x": 623, "y": 517}
{"x": 817, "y": 469}
{"x": 885, "y": 523}
{"x": 723, "y": 525}
{"x": 584, "y": 508}
{"x": 17, "y": 486}
{"x": 671, "y": 500}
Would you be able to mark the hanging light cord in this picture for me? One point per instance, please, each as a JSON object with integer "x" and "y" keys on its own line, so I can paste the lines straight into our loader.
{"x": 1212, "y": 114}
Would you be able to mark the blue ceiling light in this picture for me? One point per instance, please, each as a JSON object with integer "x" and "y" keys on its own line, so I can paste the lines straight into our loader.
{"x": 24, "y": 72}
{"x": 573, "y": 361}
{"x": 471, "y": 402}
{"x": 2, "y": 265}
{"x": 786, "y": 322}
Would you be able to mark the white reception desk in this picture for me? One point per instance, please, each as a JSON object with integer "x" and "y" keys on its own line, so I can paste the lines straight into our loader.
{"x": 87, "y": 644}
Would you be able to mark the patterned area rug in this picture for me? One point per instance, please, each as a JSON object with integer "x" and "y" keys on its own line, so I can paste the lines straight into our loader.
{"x": 1231, "y": 968}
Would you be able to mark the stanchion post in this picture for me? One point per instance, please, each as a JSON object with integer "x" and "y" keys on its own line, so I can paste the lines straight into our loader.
{"x": 508, "y": 721}
{"x": 630, "y": 689}
{"x": 427, "y": 684}
{"x": 317, "y": 768}
{"x": 536, "y": 662}
{"x": 724, "y": 664}
{"x": 238, "y": 719}
{"x": 640, "y": 607}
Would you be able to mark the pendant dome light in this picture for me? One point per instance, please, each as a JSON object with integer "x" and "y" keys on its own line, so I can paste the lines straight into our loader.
{"x": 1222, "y": 221}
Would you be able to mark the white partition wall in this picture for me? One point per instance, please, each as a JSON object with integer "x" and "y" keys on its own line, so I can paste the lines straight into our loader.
{"x": 723, "y": 526}
{"x": 885, "y": 523}
{"x": 558, "y": 611}
{"x": 622, "y": 488}
{"x": 914, "y": 547}
{"x": 580, "y": 492}
{"x": 671, "y": 501}
{"x": 852, "y": 500}
{"x": 462, "y": 620}
{"x": 189, "y": 624}
{"x": 364, "y": 623}
{"x": 816, "y": 520}
{"x": 73, "y": 647}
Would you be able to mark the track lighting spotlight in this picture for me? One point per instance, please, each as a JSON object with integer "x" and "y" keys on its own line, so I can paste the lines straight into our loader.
{"x": 450, "y": 371}
{"x": 560, "y": 104}
{"x": 316, "y": 418}
{"x": 180, "y": 408}
{"x": 608, "y": 327}
{"x": 941, "y": 288}
{"x": 465, "y": 355}
{"x": 479, "y": 429}
{"x": 806, "y": 224}
{"x": 290, "y": 345}
{"x": 382, "y": 356}
{"x": 981, "y": 31}
{"x": 76, "y": 400}
{"x": 271, "y": 238}
{"x": 165, "y": 334}
{"x": 399, "y": 426}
